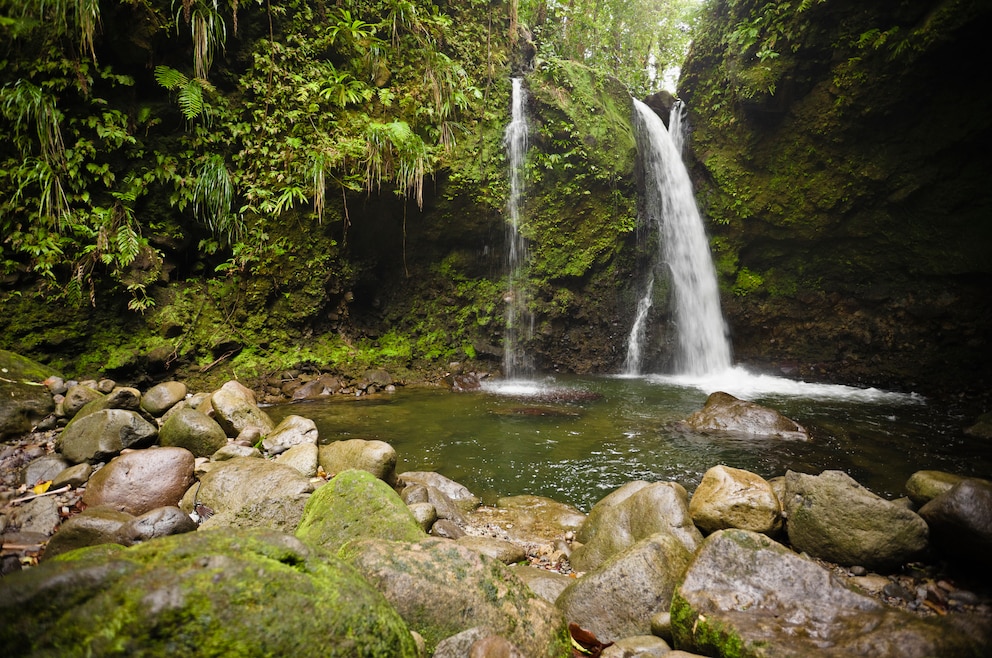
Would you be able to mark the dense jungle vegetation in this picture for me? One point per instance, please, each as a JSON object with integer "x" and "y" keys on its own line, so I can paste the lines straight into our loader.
{"x": 239, "y": 187}
{"x": 153, "y": 141}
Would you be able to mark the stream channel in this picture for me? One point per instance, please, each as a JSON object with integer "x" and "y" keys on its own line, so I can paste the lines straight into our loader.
{"x": 575, "y": 439}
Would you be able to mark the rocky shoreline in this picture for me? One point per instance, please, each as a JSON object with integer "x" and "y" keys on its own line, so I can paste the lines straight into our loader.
{"x": 206, "y": 486}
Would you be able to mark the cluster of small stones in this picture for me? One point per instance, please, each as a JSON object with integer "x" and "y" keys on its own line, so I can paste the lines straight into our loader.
{"x": 859, "y": 536}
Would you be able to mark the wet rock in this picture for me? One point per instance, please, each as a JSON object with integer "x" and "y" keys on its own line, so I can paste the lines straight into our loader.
{"x": 507, "y": 552}
{"x": 547, "y": 584}
{"x": 74, "y": 476}
{"x": 93, "y": 526}
{"x": 536, "y": 519}
{"x": 355, "y": 504}
{"x": 139, "y": 481}
{"x": 618, "y": 598}
{"x": 26, "y": 399}
{"x": 635, "y": 511}
{"x": 832, "y": 517}
{"x": 44, "y": 468}
{"x": 424, "y": 513}
{"x": 725, "y": 413}
{"x": 40, "y": 515}
{"x": 235, "y": 409}
{"x": 376, "y": 457}
{"x": 463, "y": 382}
{"x": 447, "y": 529}
{"x": 162, "y": 397}
{"x": 441, "y": 589}
{"x": 462, "y": 497}
{"x": 733, "y": 498}
{"x": 77, "y": 397}
{"x": 193, "y": 430}
{"x": 292, "y": 431}
{"x": 960, "y": 521}
{"x": 924, "y": 486}
{"x": 745, "y": 593}
{"x": 233, "y": 451}
{"x": 234, "y": 484}
{"x": 302, "y": 457}
{"x": 981, "y": 428}
{"x": 159, "y": 522}
{"x": 282, "y": 514}
{"x": 264, "y": 593}
{"x": 638, "y": 646}
{"x": 476, "y": 643}
{"x": 103, "y": 434}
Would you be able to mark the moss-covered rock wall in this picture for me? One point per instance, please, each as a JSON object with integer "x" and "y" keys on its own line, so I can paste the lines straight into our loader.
{"x": 841, "y": 155}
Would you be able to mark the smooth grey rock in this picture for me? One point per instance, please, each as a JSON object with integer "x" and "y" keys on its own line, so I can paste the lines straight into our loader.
{"x": 733, "y": 498}
{"x": 119, "y": 398}
{"x": 233, "y": 451}
{"x": 724, "y": 413}
{"x": 744, "y": 590}
{"x": 547, "y": 584}
{"x": 635, "y": 511}
{"x": 302, "y": 457}
{"x": 77, "y": 397}
{"x": 447, "y": 529}
{"x": 235, "y": 409}
{"x": 74, "y": 476}
{"x": 424, "y": 513}
{"x": 194, "y": 431}
{"x": 637, "y": 646}
{"x": 618, "y": 598}
{"x": 476, "y": 643}
{"x": 376, "y": 457}
{"x": 505, "y": 551}
{"x": 233, "y": 484}
{"x": 283, "y": 514}
{"x": 831, "y": 516}
{"x": 960, "y": 521}
{"x": 40, "y": 515}
{"x": 159, "y": 522}
{"x": 355, "y": 504}
{"x": 442, "y": 589}
{"x": 103, "y": 434}
{"x": 44, "y": 468}
{"x": 291, "y": 431}
{"x": 457, "y": 492}
{"x": 93, "y": 526}
{"x": 162, "y": 397}
{"x": 139, "y": 481}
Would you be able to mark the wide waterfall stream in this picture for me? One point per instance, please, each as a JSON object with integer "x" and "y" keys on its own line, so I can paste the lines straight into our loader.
{"x": 576, "y": 439}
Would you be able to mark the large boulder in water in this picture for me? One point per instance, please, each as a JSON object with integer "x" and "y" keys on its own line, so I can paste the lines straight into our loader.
{"x": 199, "y": 594}
{"x": 635, "y": 511}
{"x": 441, "y": 589}
{"x": 831, "y": 516}
{"x": 24, "y": 398}
{"x": 725, "y": 414}
{"x": 748, "y": 596}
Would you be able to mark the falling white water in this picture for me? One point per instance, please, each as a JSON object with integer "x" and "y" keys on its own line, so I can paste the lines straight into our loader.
{"x": 702, "y": 346}
{"x": 519, "y": 319}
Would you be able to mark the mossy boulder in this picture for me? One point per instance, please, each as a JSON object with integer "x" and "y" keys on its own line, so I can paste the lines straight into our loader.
{"x": 441, "y": 589}
{"x": 354, "y": 505}
{"x": 745, "y": 595}
{"x": 199, "y": 594}
{"x": 26, "y": 399}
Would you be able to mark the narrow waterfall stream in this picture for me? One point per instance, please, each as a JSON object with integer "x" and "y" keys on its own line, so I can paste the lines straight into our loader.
{"x": 701, "y": 345}
{"x": 519, "y": 318}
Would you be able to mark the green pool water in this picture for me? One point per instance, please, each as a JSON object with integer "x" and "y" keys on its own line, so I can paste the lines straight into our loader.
{"x": 575, "y": 439}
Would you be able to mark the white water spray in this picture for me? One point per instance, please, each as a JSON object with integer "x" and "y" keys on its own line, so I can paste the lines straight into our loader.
{"x": 702, "y": 346}
{"x": 519, "y": 319}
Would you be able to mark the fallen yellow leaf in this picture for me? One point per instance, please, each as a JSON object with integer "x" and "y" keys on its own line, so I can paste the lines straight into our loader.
{"x": 41, "y": 487}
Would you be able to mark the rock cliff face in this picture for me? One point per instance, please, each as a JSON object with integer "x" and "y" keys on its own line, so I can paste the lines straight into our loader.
{"x": 841, "y": 154}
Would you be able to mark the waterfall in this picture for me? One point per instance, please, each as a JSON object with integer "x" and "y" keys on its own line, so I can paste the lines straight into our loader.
{"x": 701, "y": 345}
{"x": 519, "y": 319}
